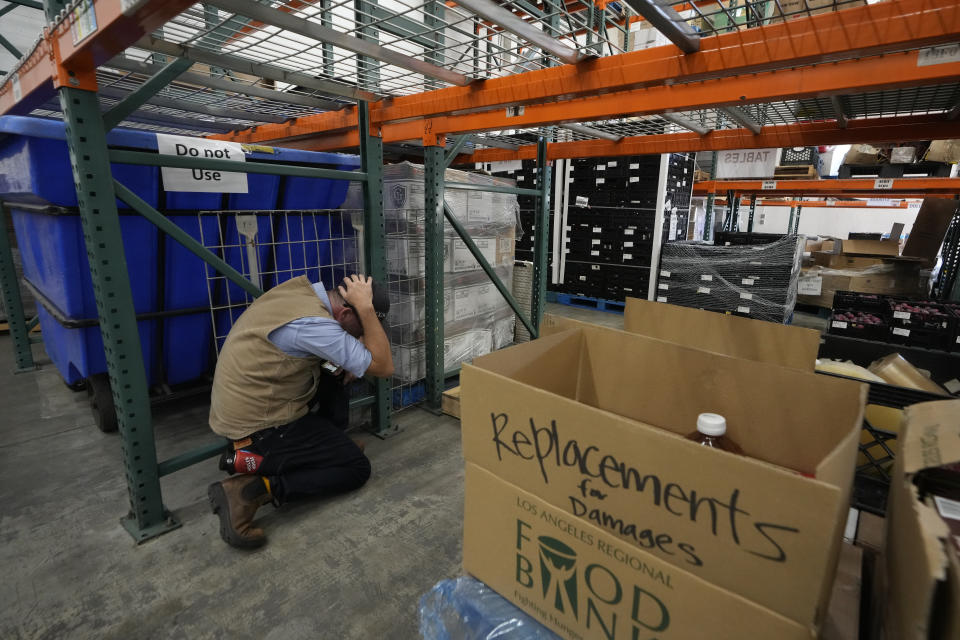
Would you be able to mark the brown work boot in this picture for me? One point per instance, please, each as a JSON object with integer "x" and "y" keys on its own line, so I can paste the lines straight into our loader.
{"x": 236, "y": 511}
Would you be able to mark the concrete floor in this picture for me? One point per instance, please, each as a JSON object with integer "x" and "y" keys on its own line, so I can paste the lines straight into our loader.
{"x": 350, "y": 567}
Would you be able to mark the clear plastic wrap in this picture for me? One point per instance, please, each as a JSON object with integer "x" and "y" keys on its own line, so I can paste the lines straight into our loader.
{"x": 477, "y": 319}
{"x": 466, "y": 609}
{"x": 757, "y": 281}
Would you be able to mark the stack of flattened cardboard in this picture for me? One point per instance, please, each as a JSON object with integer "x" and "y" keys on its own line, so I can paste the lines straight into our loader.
{"x": 923, "y": 532}
{"x": 877, "y": 266}
{"x": 588, "y": 508}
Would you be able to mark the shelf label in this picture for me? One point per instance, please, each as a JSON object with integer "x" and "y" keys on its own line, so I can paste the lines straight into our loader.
{"x": 201, "y": 180}
{"x": 837, "y": 324}
{"x": 883, "y": 183}
{"x": 810, "y": 285}
{"x": 768, "y": 184}
{"x": 938, "y": 55}
{"x": 898, "y": 331}
{"x": 84, "y": 21}
{"x": 901, "y": 315}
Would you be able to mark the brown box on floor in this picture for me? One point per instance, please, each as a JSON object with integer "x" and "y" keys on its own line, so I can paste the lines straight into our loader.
{"x": 922, "y": 565}
{"x": 730, "y": 335}
{"x": 591, "y": 423}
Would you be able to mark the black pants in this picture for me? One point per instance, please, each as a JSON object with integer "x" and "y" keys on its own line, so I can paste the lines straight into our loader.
{"x": 313, "y": 456}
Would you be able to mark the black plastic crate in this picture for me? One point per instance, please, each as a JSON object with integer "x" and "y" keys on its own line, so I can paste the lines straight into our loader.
{"x": 875, "y": 302}
{"x": 856, "y": 323}
{"x": 793, "y": 156}
{"x": 920, "y": 337}
{"x": 920, "y": 314}
{"x": 738, "y": 238}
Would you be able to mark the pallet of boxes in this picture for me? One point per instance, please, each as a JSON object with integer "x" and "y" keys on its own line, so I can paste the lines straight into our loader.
{"x": 588, "y": 508}
{"x": 477, "y": 319}
{"x": 877, "y": 266}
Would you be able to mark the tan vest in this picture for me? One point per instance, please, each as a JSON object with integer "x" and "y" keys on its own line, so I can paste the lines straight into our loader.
{"x": 256, "y": 385}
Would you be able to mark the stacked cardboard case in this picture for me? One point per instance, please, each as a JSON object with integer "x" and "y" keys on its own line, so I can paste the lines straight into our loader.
{"x": 476, "y": 317}
{"x": 756, "y": 281}
{"x": 587, "y": 507}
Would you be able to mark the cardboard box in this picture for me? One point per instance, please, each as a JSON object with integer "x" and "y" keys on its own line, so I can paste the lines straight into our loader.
{"x": 895, "y": 282}
{"x": 869, "y": 247}
{"x": 862, "y": 154}
{"x": 929, "y": 229}
{"x": 943, "y": 151}
{"x": 922, "y": 566}
{"x": 730, "y": 335}
{"x": 593, "y": 422}
{"x": 583, "y": 583}
{"x": 463, "y": 260}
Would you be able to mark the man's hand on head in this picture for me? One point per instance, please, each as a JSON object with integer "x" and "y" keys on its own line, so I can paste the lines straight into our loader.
{"x": 357, "y": 291}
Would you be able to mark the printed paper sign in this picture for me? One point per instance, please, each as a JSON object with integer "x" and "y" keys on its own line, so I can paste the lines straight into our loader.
{"x": 201, "y": 180}
{"x": 901, "y": 315}
{"x": 810, "y": 285}
{"x": 837, "y": 324}
{"x": 661, "y": 299}
{"x": 743, "y": 309}
{"x": 938, "y": 55}
{"x": 746, "y": 163}
{"x": 664, "y": 273}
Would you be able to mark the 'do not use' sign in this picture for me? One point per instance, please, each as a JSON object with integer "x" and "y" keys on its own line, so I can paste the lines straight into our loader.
{"x": 201, "y": 179}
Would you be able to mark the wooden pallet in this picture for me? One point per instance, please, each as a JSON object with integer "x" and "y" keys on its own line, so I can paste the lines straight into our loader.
{"x": 796, "y": 172}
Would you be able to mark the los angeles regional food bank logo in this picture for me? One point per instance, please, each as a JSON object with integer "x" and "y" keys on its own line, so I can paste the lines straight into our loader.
{"x": 558, "y": 574}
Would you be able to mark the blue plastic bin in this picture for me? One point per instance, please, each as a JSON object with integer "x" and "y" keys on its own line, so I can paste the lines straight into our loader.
{"x": 35, "y": 163}
{"x": 35, "y": 174}
{"x": 187, "y": 339}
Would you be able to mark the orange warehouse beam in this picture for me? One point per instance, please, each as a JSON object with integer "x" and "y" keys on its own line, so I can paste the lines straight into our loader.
{"x": 860, "y": 31}
{"x": 819, "y": 204}
{"x": 806, "y": 134}
{"x": 946, "y": 186}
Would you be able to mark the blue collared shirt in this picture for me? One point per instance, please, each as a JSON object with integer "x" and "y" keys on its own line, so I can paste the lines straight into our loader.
{"x": 324, "y": 338}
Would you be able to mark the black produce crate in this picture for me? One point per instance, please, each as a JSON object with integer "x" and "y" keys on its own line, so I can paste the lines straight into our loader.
{"x": 935, "y": 317}
{"x": 736, "y": 238}
{"x": 793, "y": 156}
{"x": 924, "y": 338}
{"x": 918, "y": 169}
{"x": 855, "y": 323}
{"x": 854, "y": 300}
{"x": 853, "y": 235}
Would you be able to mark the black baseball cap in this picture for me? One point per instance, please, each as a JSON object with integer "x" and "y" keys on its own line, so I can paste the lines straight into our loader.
{"x": 381, "y": 300}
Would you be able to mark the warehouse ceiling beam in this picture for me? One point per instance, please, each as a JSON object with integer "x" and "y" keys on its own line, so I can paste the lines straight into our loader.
{"x": 522, "y": 29}
{"x": 839, "y": 111}
{"x": 686, "y": 123}
{"x": 591, "y": 132}
{"x": 316, "y": 31}
{"x": 742, "y": 118}
{"x": 667, "y": 21}
{"x": 225, "y": 84}
{"x": 861, "y": 31}
{"x": 249, "y": 67}
{"x": 945, "y": 186}
{"x": 865, "y": 75}
{"x": 805, "y": 134}
{"x": 145, "y": 92}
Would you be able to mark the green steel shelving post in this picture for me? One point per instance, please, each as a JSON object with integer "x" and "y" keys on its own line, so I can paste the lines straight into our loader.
{"x": 434, "y": 166}
{"x": 753, "y": 210}
{"x": 374, "y": 244}
{"x": 541, "y": 237}
{"x": 87, "y": 141}
{"x": 10, "y": 292}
